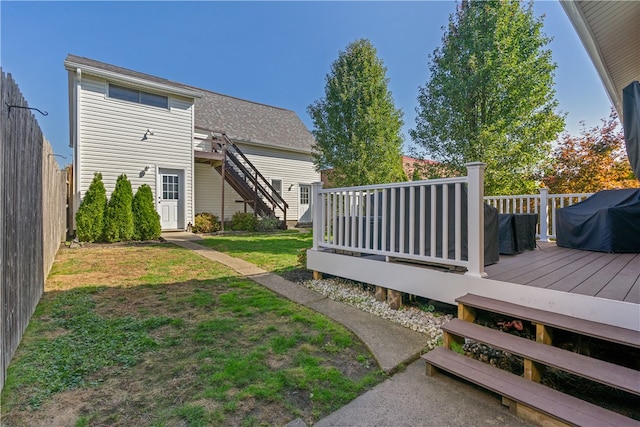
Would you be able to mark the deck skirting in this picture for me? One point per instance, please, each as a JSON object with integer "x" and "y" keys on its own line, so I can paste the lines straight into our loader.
{"x": 447, "y": 286}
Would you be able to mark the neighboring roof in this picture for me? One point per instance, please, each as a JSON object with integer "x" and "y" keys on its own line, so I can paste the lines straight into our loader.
{"x": 610, "y": 33}
{"x": 241, "y": 120}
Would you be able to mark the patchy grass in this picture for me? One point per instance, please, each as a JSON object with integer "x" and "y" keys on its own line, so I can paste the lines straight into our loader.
{"x": 277, "y": 252}
{"x": 155, "y": 335}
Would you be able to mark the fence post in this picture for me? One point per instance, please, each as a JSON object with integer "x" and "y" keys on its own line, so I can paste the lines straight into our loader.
{"x": 544, "y": 214}
{"x": 316, "y": 213}
{"x": 475, "y": 218}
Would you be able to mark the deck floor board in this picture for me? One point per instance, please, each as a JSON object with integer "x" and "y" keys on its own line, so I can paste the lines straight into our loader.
{"x": 604, "y": 275}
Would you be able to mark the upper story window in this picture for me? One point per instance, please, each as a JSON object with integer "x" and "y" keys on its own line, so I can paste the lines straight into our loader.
{"x": 135, "y": 95}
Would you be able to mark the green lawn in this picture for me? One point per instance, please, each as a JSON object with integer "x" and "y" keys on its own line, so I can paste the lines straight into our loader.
{"x": 154, "y": 335}
{"x": 276, "y": 252}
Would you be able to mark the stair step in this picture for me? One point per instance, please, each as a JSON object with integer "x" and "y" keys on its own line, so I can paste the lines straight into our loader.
{"x": 600, "y": 371}
{"x": 528, "y": 393}
{"x": 609, "y": 333}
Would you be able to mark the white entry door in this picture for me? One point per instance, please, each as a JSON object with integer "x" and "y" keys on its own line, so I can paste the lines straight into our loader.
{"x": 169, "y": 200}
{"x": 304, "y": 214}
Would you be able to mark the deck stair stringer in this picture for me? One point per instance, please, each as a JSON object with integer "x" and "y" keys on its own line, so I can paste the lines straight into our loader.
{"x": 524, "y": 395}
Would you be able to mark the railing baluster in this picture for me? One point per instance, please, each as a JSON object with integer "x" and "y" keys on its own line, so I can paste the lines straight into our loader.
{"x": 376, "y": 219}
{"x": 422, "y": 219}
{"x": 401, "y": 248}
{"x": 367, "y": 205}
{"x": 434, "y": 216}
{"x": 445, "y": 221}
{"x": 458, "y": 221}
{"x": 385, "y": 220}
{"x": 412, "y": 219}
{"x": 360, "y": 222}
{"x": 392, "y": 222}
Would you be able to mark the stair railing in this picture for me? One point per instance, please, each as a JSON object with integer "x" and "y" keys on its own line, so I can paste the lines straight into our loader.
{"x": 261, "y": 186}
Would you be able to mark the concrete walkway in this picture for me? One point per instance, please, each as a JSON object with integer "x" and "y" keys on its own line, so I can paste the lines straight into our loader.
{"x": 408, "y": 398}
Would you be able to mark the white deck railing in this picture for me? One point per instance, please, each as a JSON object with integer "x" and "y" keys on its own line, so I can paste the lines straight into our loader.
{"x": 543, "y": 204}
{"x": 419, "y": 220}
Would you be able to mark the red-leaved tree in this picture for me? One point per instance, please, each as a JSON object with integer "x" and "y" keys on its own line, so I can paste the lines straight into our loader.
{"x": 593, "y": 161}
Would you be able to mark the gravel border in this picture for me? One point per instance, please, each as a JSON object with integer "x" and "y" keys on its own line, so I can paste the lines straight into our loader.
{"x": 361, "y": 296}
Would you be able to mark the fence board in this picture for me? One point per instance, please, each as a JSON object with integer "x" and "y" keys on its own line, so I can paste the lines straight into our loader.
{"x": 32, "y": 217}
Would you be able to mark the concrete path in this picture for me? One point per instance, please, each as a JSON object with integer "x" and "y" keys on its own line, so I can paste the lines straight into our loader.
{"x": 408, "y": 398}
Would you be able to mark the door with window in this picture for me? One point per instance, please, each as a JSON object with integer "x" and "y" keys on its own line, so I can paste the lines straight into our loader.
{"x": 304, "y": 214}
{"x": 169, "y": 199}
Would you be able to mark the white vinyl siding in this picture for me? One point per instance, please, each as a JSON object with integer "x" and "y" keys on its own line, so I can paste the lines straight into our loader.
{"x": 208, "y": 193}
{"x": 293, "y": 168}
{"x": 111, "y": 140}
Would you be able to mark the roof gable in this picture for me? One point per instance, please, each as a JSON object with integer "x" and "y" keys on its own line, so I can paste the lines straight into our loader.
{"x": 241, "y": 120}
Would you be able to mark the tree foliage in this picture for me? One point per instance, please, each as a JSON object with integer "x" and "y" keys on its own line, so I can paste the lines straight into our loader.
{"x": 593, "y": 161}
{"x": 90, "y": 215}
{"x": 356, "y": 125}
{"x": 118, "y": 223}
{"x": 146, "y": 221}
{"x": 490, "y": 96}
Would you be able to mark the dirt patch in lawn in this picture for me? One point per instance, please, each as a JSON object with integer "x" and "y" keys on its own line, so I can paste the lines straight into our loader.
{"x": 155, "y": 335}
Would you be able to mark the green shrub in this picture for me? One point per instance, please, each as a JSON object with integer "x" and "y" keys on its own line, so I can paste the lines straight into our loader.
{"x": 90, "y": 215}
{"x": 269, "y": 223}
{"x": 244, "y": 221}
{"x": 146, "y": 221}
{"x": 206, "y": 222}
{"x": 118, "y": 224}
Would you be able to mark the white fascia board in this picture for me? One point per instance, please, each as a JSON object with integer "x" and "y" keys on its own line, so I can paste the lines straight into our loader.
{"x": 580, "y": 24}
{"x": 117, "y": 77}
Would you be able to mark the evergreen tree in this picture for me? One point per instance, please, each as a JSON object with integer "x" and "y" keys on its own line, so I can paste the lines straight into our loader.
{"x": 146, "y": 221}
{"x": 490, "y": 96}
{"x": 356, "y": 125}
{"x": 90, "y": 215}
{"x": 118, "y": 223}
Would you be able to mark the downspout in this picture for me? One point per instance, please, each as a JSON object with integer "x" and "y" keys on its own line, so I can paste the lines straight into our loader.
{"x": 222, "y": 173}
{"x": 77, "y": 88}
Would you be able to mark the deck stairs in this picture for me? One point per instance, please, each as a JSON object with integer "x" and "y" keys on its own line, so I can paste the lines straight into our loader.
{"x": 525, "y": 395}
{"x": 254, "y": 189}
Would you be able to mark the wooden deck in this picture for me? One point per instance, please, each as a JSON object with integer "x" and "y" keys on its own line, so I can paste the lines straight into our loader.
{"x": 596, "y": 274}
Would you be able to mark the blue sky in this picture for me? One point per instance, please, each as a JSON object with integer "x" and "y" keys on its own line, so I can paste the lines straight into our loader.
{"x": 276, "y": 53}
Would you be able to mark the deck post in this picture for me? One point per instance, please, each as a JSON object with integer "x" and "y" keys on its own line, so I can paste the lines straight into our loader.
{"x": 316, "y": 213}
{"x": 543, "y": 214}
{"x": 475, "y": 238}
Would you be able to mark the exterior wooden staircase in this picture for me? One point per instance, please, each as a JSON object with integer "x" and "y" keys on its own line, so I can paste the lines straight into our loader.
{"x": 524, "y": 395}
{"x": 254, "y": 189}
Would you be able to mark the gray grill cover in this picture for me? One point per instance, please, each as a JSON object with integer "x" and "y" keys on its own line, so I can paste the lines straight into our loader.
{"x": 608, "y": 221}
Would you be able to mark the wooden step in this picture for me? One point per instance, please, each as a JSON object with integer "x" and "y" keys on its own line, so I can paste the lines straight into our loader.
{"x": 596, "y": 370}
{"x": 532, "y": 395}
{"x": 610, "y": 333}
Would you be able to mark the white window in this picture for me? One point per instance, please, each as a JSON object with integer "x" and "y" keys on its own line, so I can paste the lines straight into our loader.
{"x": 134, "y": 95}
{"x": 305, "y": 192}
{"x": 170, "y": 187}
{"x": 277, "y": 185}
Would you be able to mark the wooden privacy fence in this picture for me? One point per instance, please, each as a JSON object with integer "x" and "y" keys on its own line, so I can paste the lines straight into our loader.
{"x": 32, "y": 216}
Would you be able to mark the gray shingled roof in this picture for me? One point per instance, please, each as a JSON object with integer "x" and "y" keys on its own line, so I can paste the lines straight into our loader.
{"x": 241, "y": 120}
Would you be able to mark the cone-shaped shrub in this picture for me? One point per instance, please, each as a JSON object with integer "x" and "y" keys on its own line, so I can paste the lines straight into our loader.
{"x": 90, "y": 215}
{"x": 118, "y": 221}
{"x": 146, "y": 221}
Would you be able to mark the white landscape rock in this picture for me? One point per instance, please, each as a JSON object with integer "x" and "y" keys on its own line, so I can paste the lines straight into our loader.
{"x": 410, "y": 317}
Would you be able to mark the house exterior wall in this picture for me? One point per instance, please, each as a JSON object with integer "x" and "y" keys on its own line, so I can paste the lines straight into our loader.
{"x": 293, "y": 168}
{"x": 110, "y": 140}
{"x": 208, "y": 190}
